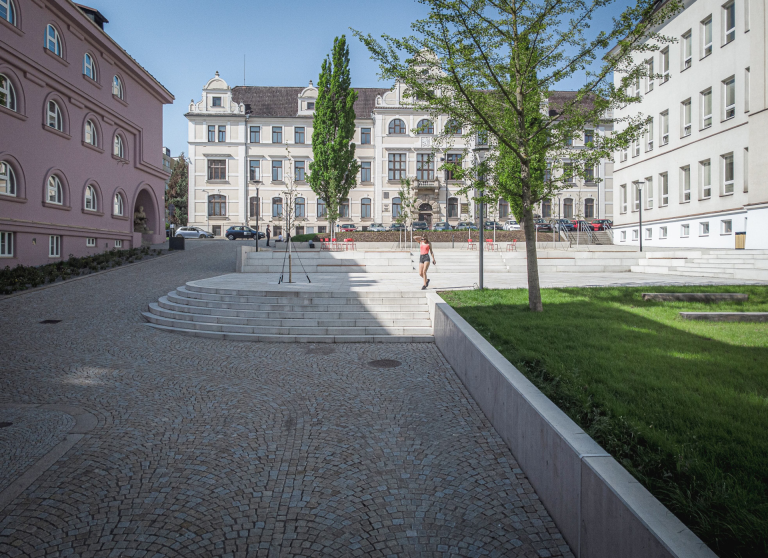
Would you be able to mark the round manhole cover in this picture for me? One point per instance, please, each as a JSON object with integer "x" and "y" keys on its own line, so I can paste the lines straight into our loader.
{"x": 5, "y": 424}
{"x": 324, "y": 351}
{"x": 385, "y": 363}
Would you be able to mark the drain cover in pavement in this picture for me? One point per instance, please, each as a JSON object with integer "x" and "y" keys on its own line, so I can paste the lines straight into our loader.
{"x": 50, "y": 321}
{"x": 5, "y": 424}
{"x": 385, "y": 363}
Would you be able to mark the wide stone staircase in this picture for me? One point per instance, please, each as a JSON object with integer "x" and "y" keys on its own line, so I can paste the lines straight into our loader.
{"x": 293, "y": 316}
{"x": 724, "y": 264}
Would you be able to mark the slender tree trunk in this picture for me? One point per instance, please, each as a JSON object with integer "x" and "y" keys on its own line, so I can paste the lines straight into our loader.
{"x": 534, "y": 288}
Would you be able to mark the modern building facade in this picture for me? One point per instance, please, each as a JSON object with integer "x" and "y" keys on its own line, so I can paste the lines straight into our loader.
{"x": 245, "y": 142}
{"x": 80, "y": 136}
{"x": 691, "y": 175}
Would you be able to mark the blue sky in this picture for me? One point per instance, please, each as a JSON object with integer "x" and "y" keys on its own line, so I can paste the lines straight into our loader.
{"x": 182, "y": 43}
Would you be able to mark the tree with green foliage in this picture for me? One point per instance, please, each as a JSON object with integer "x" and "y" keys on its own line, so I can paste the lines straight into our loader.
{"x": 491, "y": 65}
{"x": 333, "y": 173}
{"x": 176, "y": 192}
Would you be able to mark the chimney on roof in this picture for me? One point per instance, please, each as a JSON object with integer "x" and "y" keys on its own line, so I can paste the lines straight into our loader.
{"x": 310, "y": 83}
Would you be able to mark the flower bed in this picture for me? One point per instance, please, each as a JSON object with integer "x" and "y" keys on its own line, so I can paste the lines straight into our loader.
{"x": 23, "y": 277}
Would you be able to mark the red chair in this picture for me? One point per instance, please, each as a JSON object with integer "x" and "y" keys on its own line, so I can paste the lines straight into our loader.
{"x": 471, "y": 245}
{"x": 512, "y": 246}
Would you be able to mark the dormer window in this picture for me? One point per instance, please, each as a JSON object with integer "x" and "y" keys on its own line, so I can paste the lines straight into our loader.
{"x": 310, "y": 105}
{"x": 216, "y": 102}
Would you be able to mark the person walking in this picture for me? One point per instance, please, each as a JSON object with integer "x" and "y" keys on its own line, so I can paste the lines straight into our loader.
{"x": 267, "y": 235}
{"x": 425, "y": 249}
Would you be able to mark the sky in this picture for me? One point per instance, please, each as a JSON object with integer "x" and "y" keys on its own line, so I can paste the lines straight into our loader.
{"x": 182, "y": 43}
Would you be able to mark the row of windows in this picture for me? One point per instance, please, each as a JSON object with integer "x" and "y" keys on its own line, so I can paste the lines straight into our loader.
{"x": 642, "y": 191}
{"x": 217, "y": 207}
{"x": 8, "y": 243}
{"x": 726, "y": 228}
{"x": 55, "y": 191}
{"x": 548, "y": 210}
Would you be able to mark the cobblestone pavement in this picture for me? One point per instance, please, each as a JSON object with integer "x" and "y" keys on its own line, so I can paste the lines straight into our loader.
{"x": 216, "y": 448}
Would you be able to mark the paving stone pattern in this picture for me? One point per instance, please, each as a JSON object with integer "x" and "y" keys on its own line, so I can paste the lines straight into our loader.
{"x": 220, "y": 448}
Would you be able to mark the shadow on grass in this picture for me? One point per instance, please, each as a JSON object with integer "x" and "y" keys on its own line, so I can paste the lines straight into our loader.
{"x": 682, "y": 405}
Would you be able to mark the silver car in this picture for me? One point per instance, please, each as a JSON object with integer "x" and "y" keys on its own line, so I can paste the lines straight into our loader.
{"x": 193, "y": 232}
{"x": 377, "y": 227}
{"x": 511, "y": 225}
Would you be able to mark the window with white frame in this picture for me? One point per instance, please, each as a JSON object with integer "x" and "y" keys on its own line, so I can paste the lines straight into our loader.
{"x": 729, "y": 22}
{"x": 255, "y": 134}
{"x": 637, "y": 193}
{"x": 648, "y": 192}
{"x": 623, "y": 194}
{"x": 8, "y": 11}
{"x": 54, "y": 246}
{"x": 662, "y": 233}
{"x": 91, "y": 134}
{"x": 89, "y": 66}
{"x": 52, "y": 40}
{"x": 55, "y": 191}
{"x": 664, "y": 65}
{"x": 687, "y": 49}
{"x": 6, "y": 244}
{"x": 706, "y": 108}
{"x": 90, "y": 198}
{"x": 706, "y": 37}
{"x": 7, "y": 180}
{"x": 663, "y": 189}
{"x": 118, "y": 243}
{"x": 705, "y": 176}
{"x": 704, "y": 228}
{"x": 300, "y": 207}
{"x": 664, "y": 127}
{"x": 277, "y": 171}
{"x": 254, "y": 171}
{"x": 7, "y": 93}
{"x": 649, "y": 68}
{"x": 685, "y": 231}
{"x": 728, "y": 171}
{"x": 119, "y": 150}
{"x": 55, "y": 119}
{"x": 365, "y": 208}
{"x": 685, "y": 184}
{"x": 91, "y": 242}
{"x": 117, "y": 88}
{"x": 649, "y": 136}
{"x": 636, "y": 148}
{"x": 685, "y": 117}
{"x": 117, "y": 205}
{"x": 635, "y": 234}
{"x": 726, "y": 226}
{"x": 623, "y": 236}
{"x": 746, "y": 90}
{"x": 729, "y": 98}
{"x": 299, "y": 168}
{"x": 746, "y": 169}
{"x": 623, "y": 155}
{"x": 648, "y": 233}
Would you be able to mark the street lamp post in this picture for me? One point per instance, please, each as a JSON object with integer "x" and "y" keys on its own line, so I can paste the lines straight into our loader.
{"x": 258, "y": 211}
{"x": 481, "y": 151}
{"x": 640, "y": 185}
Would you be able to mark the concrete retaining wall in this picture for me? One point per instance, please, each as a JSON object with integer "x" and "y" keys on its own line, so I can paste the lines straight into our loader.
{"x": 602, "y": 511}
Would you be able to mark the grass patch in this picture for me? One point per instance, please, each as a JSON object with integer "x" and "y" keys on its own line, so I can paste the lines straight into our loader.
{"x": 683, "y": 405}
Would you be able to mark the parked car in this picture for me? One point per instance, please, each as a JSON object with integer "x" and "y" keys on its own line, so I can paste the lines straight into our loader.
{"x": 601, "y": 224}
{"x": 466, "y": 225}
{"x": 193, "y": 232}
{"x": 377, "y": 227}
{"x": 397, "y": 227}
{"x": 542, "y": 225}
{"x": 581, "y": 225}
{"x": 419, "y": 226}
{"x": 562, "y": 225}
{"x": 511, "y": 225}
{"x": 237, "y": 232}
{"x": 348, "y": 227}
{"x": 442, "y": 226}
{"x": 491, "y": 225}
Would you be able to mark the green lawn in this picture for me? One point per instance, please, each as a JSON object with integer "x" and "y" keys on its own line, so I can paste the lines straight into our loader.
{"x": 682, "y": 404}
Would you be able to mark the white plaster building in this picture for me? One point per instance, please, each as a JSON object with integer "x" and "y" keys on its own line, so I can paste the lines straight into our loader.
{"x": 242, "y": 133}
{"x": 693, "y": 170}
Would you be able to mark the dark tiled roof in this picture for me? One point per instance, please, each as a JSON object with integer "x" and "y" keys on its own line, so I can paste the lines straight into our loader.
{"x": 283, "y": 101}
{"x": 558, "y": 98}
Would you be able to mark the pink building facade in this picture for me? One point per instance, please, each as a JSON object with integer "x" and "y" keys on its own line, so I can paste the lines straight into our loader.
{"x": 80, "y": 137}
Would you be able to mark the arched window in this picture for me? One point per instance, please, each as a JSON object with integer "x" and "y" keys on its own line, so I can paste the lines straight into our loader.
{"x": 365, "y": 208}
{"x": 397, "y": 126}
{"x": 503, "y": 209}
{"x": 568, "y": 208}
{"x": 52, "y": 40}
{"x": 55, "y": 120}
{"x": 8, "y": 11}
{"x": 453, "y": 208}
{"x": 89, "y": 67}
{"x": 7, "y": 93}
{"x": 546, "y": 209}
{"x": 397, "y": 208}
{"x": 7, "y": 179}
{"x": 117, "y": 87}
{"x": 322, "y": 209}
{"x": 589, "y": 208}
{"x": 118, "y": 205}
{"x": 217, "y": 205}
{"x": 91, "y": 133}
{"x": 90, "y": 198}
{"x": 300, "y": 207}
{"x": 55, "y": 192}
{"x": 277, "y": 207}
{"x": 425, "y": 126}
{"x": 453, "y": 127}
{"x": 118, "y": 150}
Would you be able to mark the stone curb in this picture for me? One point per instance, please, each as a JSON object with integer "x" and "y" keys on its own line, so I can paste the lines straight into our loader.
{"x": 84, "y": 423}
{"x": 68, "y": 281}
{"x": 600, "y": 509}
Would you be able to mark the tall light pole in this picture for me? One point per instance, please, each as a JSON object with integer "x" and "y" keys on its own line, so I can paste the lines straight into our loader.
{"x": 481, "y": 152}
{"x": 640, "y": 185}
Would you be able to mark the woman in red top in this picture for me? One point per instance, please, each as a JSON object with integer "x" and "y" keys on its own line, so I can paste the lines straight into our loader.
{"x": 425, "y": 249}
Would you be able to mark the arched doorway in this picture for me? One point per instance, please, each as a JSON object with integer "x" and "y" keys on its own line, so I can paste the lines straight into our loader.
{"x": 146, "y": 200}
{"x": 425, "y": 214}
